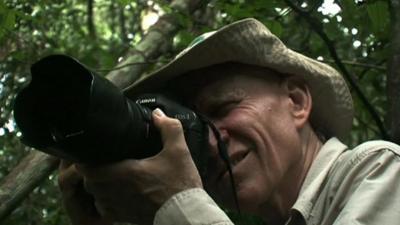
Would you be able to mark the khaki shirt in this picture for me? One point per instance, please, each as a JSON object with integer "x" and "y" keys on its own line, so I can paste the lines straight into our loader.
{"x": 359, "y": 186}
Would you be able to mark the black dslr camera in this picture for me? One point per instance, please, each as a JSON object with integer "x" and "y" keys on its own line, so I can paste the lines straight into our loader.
{"x": 72, "y": 113}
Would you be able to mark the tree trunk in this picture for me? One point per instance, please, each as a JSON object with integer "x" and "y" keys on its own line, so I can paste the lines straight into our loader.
{"x": 393, "y": 79}
{"x": 112, "y": 16}
{"x": 90, "y": 19}
{"x": 121, "y": 17}
{"x": 36, "y": 166}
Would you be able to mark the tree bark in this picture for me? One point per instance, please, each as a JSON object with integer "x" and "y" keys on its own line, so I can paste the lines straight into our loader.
{"x": 112, "y": 16}
{"x": 393, "y": 80}
{"x": 153, "y": 44}
{"x": 34, "y": 168}
{"x": 37, "y": 166}
{"x": 90, "y": 19}
{"x": 121, "y": 17}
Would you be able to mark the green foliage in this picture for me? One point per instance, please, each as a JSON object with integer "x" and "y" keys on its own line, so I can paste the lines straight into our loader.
{"x": 378, "y": 13}
{"x": 41, "y": 207}
{"x": 7, "y": 19}
{"x": 31, "y": 29}
{"x": 275, "y": 27}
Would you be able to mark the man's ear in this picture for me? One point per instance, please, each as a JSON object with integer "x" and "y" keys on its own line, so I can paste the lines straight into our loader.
{"x": 299, "y": 99}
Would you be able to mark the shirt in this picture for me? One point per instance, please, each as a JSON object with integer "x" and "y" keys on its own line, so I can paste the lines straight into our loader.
{"x": 342, "y": 186}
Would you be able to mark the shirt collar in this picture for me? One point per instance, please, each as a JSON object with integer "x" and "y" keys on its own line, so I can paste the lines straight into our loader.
{"x": 316, "y": 175}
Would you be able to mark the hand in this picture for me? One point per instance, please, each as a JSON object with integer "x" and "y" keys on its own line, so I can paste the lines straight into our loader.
{"x": 78, "y": 203}
{"x": 133, "y": 190}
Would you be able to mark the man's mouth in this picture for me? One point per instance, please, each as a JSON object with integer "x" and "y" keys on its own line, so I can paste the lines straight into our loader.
{"x": 236, "y": 158}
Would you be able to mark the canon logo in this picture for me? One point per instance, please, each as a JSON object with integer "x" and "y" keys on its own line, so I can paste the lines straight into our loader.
{"x": 146, "y": 100}
{"x": 182, "y": 116}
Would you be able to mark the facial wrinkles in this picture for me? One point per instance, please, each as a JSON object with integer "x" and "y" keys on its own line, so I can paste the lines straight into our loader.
{"x": 286, "y": 174}
{"x": 278, "y": 139}
{"x": 266, "y": 109}
{"x": 216, "y": 96}
{"x": 213, "y": 97}
{"x": 265, "y": 149}
{"x": 268, "y": 150}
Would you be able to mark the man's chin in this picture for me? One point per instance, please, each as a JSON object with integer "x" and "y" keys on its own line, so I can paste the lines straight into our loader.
{"x": 225, "y": 200}
{"x": 247, "y": 203}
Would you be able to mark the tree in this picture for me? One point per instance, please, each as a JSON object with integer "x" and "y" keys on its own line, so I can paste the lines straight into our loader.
{"x": 352, "y": 35}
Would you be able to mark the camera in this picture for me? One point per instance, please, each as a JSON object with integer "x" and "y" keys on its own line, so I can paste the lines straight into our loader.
{"x": 70, "y": 112}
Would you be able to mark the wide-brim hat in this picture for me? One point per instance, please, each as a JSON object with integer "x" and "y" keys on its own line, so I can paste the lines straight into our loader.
{"x": 248, "y": 41}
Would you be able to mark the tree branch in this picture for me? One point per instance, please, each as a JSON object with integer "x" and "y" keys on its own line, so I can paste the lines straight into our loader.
{"x": 34, "y": 168}
{"x": 358, "y": 64}
{"x": 318, "y": 28}
{"x": 18, "y": 183}
{"x": 90, "y": 23}
{"x": 122, "y": 28}
{"x": 153, "y": 44}
{"x": 130, "y": 64}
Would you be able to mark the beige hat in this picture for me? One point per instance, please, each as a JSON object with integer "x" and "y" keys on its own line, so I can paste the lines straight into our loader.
{"x": 248, "y": 41}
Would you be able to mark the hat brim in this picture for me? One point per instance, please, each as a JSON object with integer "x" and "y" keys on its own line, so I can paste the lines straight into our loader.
{"x": 248, "y": 41}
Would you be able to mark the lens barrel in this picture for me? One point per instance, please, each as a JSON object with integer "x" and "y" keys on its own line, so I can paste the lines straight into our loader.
{"x": 72, "y": 113}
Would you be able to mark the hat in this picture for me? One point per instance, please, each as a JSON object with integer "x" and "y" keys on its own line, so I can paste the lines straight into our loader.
{"x": 248, "y": 41}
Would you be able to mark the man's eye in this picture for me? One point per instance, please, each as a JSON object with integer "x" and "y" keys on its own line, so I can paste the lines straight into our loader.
{"x": 223, "y": 109}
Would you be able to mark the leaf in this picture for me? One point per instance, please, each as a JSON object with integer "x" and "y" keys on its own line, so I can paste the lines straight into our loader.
{"x": 18, "y": 55}
{"x": 275, "y": 27}
{"x": 378, "y": 13}
{"x": 23, "y": 16}
{"x": 349, "y": 8}
{"x": 262, "y": 4}
{"x": 124, "y": 2}
{"x": 7, "y": 21}
{"x": 183, "y": 39}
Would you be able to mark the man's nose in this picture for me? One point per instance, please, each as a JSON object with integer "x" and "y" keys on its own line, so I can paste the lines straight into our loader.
{"x": 213, "y": 138}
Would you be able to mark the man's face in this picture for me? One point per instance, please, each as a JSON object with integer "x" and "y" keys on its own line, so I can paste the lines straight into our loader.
{"x": 254, "y": 117}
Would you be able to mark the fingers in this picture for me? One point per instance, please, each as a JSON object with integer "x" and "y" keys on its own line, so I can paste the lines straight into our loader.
{"x": 171, "y": 130}
{"x": 69, "y": 178}
{"x": 78, "y": 203}
{"x": 121, "y": 188}
{"x": 64, "y": 164}
{"x": 102, "y": 181}
{"x": 107, "y": 171}
{"x": 115, "y": 191}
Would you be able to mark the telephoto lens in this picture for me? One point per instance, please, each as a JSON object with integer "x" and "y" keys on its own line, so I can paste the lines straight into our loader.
{"x": 70, "y": 112}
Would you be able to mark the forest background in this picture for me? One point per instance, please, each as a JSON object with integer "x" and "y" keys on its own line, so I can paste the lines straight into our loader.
{"x": 125, "y": 39}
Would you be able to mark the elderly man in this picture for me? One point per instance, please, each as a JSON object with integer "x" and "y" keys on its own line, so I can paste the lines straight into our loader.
{"x": 278, "y": 113}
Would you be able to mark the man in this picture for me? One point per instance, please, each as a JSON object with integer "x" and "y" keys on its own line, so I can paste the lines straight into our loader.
{"x": 279, "y": 114}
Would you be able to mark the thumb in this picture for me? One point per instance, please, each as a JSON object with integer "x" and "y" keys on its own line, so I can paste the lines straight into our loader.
{"x": 171, "y": 130}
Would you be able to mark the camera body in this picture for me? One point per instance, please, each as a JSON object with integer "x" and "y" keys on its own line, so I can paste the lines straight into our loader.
{"x": 70, "y": 112}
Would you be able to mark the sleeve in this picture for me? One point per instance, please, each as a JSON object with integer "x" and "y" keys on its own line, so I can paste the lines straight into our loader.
{"x": 192, "y": 206}
{"x": 369, "y": 192}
